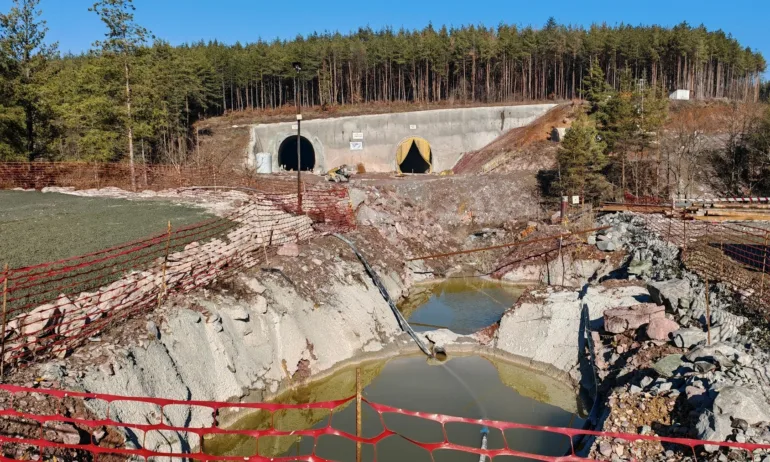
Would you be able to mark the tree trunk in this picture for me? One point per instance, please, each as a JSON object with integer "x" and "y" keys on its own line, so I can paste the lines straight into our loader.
{"x": 130, "y": 128}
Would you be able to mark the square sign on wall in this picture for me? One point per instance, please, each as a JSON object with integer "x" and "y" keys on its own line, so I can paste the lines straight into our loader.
{"x": 356, "y": 145}
{"x": 358, "y": 135}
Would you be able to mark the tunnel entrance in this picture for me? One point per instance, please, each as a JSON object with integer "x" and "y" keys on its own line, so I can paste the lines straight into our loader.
{"x": 287, "y": 154}
{"x": 414, "y": 156}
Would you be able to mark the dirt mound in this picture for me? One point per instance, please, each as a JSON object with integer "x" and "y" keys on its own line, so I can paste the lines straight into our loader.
{"x": 505, "y": 148}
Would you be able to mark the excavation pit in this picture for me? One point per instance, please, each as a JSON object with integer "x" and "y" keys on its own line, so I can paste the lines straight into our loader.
{"x": 473, "y": 387}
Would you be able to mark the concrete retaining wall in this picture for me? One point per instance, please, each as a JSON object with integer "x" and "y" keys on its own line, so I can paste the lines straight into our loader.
{"x": 450, "y": 132}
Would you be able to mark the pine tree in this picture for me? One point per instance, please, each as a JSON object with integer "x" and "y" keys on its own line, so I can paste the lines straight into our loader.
{"x": 581, "y": 161}
{"x": 122, "y": 40}
{"x": 152, "y": 95}
{"x": 596, "y": 90}
{"x": 22, "y": 40}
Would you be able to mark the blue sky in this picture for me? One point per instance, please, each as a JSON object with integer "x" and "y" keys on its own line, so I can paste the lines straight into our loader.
{"x": 229, "y": 21}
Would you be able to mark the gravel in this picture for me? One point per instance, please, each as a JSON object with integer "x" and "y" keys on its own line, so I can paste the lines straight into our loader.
{"x": 716, "y": 392}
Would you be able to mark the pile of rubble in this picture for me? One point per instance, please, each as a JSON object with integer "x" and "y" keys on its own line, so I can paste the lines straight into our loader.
{"x": 674, "y": 365}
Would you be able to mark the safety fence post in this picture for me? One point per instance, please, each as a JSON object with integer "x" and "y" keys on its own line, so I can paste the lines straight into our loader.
{"x": 165, "y": 264}
{"x": 358, "y": 413}
{"x": 684, "y": 241}
{"x": 722, "y": 248}
{"x": 5, "y": 307}
{"x": 708, "y": 313}
{"x": 764, "y": 267}
{"x": 265, "y": 245}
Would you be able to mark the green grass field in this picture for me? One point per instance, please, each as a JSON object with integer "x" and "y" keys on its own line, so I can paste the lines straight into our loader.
{"x": 36, "y": 227}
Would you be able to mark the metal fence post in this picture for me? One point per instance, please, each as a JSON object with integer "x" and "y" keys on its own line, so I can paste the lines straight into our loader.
{"x": 265, "y": 245}
{"x": 165, "y": 259}
{"x": 684, "y": 242}
{"x": 764, "y": 267}
{"x": 5, "y": 308}
{"x": 722, "y": 248}
{"x": 165, "y": 264}
{"x": 708, "y": 313}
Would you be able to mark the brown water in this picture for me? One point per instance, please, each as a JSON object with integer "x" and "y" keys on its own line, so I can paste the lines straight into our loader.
{"x": 461, "y": 305}
{"x": 471, "y": 386}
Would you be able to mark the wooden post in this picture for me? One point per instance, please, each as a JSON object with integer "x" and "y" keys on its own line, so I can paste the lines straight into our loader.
{"x": 708, "y": 313}
{"x": 563, "y": 210}
{"x": 358, "y": 413}
{"x": 764, "y": 268}
{"x": 5, "y": 308}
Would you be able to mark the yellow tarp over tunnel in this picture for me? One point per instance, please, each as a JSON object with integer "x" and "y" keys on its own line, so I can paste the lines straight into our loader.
{"x": 403, "y": 151}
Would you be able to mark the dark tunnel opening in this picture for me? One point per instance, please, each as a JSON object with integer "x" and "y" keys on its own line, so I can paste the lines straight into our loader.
{"x": 414, "y": 163}
{"x": 287, "y": 154}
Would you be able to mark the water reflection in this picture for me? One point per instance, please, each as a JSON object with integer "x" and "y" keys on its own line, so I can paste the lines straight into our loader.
{"x": 461, "y": 305}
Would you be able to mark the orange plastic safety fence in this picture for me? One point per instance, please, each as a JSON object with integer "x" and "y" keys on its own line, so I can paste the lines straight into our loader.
{"x": 65, "y": 425}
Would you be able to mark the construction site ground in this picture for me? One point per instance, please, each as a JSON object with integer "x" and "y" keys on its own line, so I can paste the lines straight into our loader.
{"x": 286, "y": 307}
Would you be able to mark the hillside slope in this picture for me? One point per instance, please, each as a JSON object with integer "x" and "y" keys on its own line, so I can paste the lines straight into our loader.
{"x": 524, "y": 148}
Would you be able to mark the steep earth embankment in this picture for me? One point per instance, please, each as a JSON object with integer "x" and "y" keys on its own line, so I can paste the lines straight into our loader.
{"x": 526, "y": 149}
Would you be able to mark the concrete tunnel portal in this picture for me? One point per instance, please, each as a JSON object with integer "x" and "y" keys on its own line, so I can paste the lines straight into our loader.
{"x": 287, "y": 154}
{"x": 414, "y": 155}
{"x": 410, "y": 142}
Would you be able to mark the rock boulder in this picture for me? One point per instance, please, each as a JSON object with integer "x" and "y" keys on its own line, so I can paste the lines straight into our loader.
{"x": 289, "y": 250}
{"x": 688, "y": 337}
{"x": 661, "y": 328}
{"x": 618, "y": 320}
{"x": 670, "y": 293}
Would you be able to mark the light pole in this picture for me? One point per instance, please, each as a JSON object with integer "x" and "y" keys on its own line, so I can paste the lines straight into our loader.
{"x": 298, "y": 67}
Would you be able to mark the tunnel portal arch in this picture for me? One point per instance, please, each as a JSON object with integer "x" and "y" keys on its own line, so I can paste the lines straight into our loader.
{"x": 287, "y": 154}
{"x": 414, "y": 155}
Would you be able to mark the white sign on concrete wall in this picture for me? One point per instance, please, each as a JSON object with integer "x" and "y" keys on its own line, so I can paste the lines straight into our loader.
{"x": 294, "y": 127}
{"x": 413, "y": 127}
{"x": 356, "y": 146}
{"x": 358, "y": 135}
